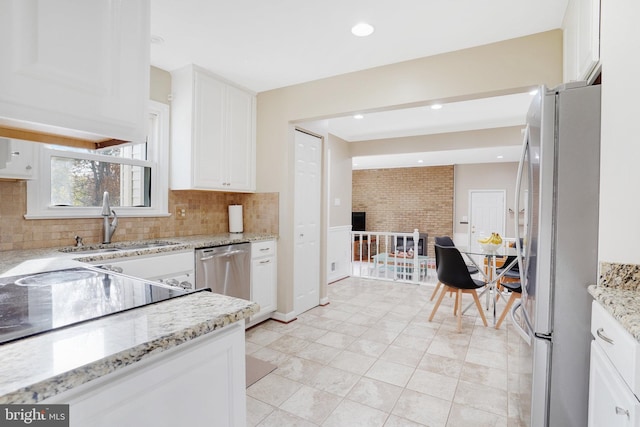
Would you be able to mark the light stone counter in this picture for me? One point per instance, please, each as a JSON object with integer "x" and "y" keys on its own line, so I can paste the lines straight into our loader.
{"x": 36, "y": 368}
{"x": 618, "y": 290}
{"x": 53, "y": 258}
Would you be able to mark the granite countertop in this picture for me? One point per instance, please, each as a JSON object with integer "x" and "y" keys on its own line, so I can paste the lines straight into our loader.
{"x": 42, "y": 366}
{"x": 48, "y": 257}
{"x": 623, "y": 304}
{"x": 618, "y": 290}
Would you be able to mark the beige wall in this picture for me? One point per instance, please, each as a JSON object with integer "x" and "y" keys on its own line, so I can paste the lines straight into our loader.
{"x": 494, "y": 176}
{"x": 499, "y": 68}
{"x": 339, "y": 182}
{"x": 619, "y": 232}
{"x": 160, "y": 85}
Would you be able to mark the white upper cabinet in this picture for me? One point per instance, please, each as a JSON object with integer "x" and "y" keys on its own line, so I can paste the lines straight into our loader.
{"x": 581, "y": 40}
{"x": 212, "y": 133}
{"x": 75, "y": 67}
{"x": 18, "y": 159}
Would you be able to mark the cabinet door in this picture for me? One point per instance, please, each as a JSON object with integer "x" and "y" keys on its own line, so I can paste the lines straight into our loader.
{"x": 79, "y": 65}
{"x": 208, "y": 137}
{"x": 240, "y": 146}
{"x": 263, "y": 284}
{"x": 611, "y": 402}
{"x": 588, "y": 49}
{"x": 213, "y": 136}
{"x": 17, "y": 159}
{"x": 199, "y": 383}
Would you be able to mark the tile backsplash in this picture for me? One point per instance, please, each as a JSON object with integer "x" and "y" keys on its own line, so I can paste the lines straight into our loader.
{"x": 621, "y": 276}
{"x": 206, "y": 213}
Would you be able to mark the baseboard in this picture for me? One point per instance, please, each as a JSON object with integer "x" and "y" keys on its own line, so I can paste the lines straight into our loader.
{"x": 324, "y": 301}
{"x": 337, "y": 278}
{"x": 254, "y": 320}
{"x": 284, "y": 317}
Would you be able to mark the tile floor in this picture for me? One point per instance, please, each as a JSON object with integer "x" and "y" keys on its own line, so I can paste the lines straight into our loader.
{"x": 372, "y": 358}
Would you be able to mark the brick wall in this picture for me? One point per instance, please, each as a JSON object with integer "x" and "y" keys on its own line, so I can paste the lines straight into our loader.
{"x": 406, "y": 198}
{"x": 206, "y": 213}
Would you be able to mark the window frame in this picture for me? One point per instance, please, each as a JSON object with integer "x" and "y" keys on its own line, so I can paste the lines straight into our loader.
{"x": 38, "y": 190}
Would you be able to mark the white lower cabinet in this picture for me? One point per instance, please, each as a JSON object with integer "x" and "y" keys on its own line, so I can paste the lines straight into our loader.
{"x": 172, "y": 268}
{"x": 612, "y": 402}
{"x": 197, "y": 384}
{"x": 264, "y": 279}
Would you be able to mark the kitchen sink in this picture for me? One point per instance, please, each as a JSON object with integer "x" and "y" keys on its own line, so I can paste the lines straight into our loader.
{"x": 89, "y": 249}
{"x": 115, "y": 247}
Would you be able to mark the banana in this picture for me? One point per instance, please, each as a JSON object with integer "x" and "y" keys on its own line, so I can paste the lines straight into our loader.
{"x": 493, "y": 238}
{"x": 488, "y": 239}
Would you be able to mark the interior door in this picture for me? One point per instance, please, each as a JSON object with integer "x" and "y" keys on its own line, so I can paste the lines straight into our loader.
{"x": 307, "y": 192}
{"x": 486, "y": 215}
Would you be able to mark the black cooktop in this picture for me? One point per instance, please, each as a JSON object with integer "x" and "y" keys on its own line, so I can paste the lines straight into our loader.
{"x": 36, "y": 303}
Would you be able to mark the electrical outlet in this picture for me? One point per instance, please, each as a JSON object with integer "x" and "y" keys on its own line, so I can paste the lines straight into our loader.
{"x": 181, "y": 212}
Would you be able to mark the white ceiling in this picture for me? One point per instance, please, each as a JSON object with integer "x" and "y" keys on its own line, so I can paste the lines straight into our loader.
{"x": 485, "y": 113}
{"x": 268, "y": 44}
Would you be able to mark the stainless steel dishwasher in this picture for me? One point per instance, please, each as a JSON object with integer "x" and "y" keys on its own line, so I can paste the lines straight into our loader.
{"x": 225, "y": 269}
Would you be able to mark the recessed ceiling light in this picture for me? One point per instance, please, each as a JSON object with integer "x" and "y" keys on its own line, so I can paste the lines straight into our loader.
{"x": 362, "y": 29}
{"x": 436, "y": 106}
{"x": 420, "y": 161}
{"x": 501, "y": 156}
{"x": 358, "y": 116}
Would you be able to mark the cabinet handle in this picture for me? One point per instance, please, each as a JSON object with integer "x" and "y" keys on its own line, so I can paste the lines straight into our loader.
{"x": 266, "y": 261}
{"x": 600, "y": 333}
{"x": 622, "y": 411}
{"x": 264, "y": 249}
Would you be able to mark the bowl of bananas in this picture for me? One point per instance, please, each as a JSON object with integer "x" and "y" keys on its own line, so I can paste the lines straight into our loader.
{"x": 491, "y": 243}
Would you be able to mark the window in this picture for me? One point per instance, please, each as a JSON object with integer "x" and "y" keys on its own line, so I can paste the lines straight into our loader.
{"x": 72, "y": 181}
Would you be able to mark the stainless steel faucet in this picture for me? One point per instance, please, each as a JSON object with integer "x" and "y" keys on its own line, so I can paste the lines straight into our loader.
{"x": 109, "y": 229}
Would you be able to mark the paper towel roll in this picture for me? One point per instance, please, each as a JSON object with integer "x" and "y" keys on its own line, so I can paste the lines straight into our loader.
{"x": 235, "y": 218}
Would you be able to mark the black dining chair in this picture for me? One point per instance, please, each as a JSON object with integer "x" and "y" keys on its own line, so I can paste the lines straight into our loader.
{"x": 446, "y": 241}
{"x": 513, "y": 272}
{"x": 508, "y": 284}
{"x": 515, "y": 290}
{"x": 453, "y": 274}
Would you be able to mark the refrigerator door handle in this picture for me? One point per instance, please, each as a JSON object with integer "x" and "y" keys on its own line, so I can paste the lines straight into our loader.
{"x": 516, "y": 324}
{"x": 523, "y": 155}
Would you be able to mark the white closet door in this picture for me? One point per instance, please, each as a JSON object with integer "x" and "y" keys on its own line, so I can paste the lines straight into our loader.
{"x": 308, "y": 174}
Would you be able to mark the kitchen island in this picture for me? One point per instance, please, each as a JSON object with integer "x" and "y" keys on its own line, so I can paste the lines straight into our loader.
{"x": 153, "y": 365}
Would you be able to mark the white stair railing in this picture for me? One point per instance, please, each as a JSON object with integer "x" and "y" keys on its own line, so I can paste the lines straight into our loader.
{"x": 389, "y": 256}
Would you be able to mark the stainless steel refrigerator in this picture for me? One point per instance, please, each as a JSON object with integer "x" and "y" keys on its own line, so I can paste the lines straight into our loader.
{"x": 557, "y": 222}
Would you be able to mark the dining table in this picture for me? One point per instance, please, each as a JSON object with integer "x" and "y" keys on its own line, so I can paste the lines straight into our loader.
{"x": 488, "y": 270}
